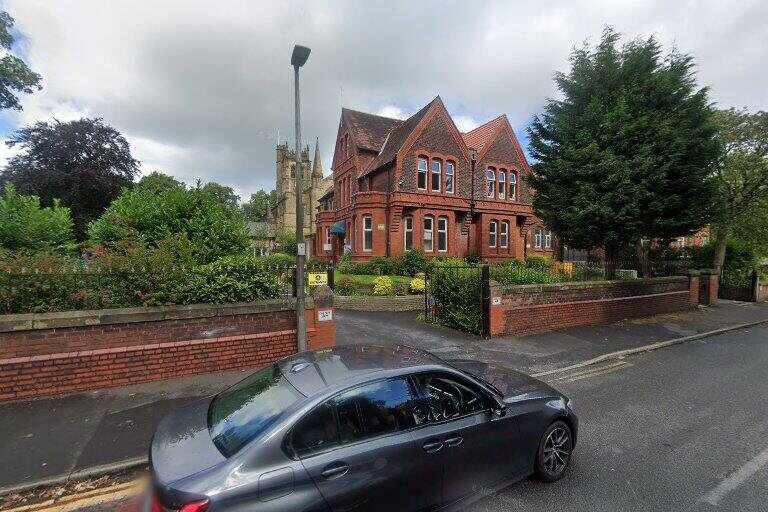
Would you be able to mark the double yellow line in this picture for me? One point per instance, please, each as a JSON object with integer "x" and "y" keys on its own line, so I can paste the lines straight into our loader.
{"x": 85, "y": 499}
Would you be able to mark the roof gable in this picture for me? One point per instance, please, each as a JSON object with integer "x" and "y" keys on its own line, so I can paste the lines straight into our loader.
{"x": 482, "y": 136}
{"x": 369, "y": 131}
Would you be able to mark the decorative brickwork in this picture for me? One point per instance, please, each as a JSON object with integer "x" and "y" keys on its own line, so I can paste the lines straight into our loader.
{"x": 54, "y": 353}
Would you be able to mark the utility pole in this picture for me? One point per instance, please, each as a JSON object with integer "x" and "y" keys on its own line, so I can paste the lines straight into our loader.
{"x": 298, "y": 58}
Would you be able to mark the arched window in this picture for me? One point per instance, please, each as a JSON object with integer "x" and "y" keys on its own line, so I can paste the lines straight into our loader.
{"x": 504, "y": 234}
{"x": 512, "y": 185}
{"x": 449, "y": 177}
{"x": 408, "y": 233}
{"x": 502, "y": 184}
{"x": 490, "y": 178}
{"x": 436, "y": 174}
{"x": 492, "y": 230}
{"x": 429, "y": 225}
{"x": 421, "y": 180}
{"x": 442, "y": 234}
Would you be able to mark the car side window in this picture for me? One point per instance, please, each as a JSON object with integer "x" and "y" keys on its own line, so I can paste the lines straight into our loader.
{"x": 444, "y": 397}
{"x": 374, "y": 409}
{"x": 315, "y": 432}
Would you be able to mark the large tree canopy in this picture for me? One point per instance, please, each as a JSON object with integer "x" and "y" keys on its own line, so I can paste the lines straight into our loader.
{"x": 15, "y": 75}
{"x": 626, "y": 153}
{"x": 24, "y": 224}
{"x": 148, "y": 214}
{"x": 741, "y": 178}
{"x": 84, "y": 163}
{"x": 258, "y": 206}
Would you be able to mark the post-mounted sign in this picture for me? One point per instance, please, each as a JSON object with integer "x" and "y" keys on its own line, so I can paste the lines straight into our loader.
{"x": 317, "y": 278}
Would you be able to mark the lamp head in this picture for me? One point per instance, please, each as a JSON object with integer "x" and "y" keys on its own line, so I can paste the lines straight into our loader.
{"x": 299, "y": 56}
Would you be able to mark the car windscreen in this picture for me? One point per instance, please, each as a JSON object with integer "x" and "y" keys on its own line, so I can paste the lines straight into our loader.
{"x": 243, "y": 412}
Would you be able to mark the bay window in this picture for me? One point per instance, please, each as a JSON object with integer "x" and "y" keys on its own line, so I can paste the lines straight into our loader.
{"x": 504, "y": 234}
{"x": 492, "y": 227}
{"x": 408, "y": 233}
{"x": 367, "y": 233}
{"x": 428, "y": 229}
{"x": 442, "y": 234}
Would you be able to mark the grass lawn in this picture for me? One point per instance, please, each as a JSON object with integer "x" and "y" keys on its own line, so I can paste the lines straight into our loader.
{"x": 368, "y": 280}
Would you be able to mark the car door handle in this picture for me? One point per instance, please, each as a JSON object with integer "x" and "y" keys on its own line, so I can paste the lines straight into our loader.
{"x": 433, "y": 447}
{"x": 454, "y": 441}
{"x": 335, "y": 471}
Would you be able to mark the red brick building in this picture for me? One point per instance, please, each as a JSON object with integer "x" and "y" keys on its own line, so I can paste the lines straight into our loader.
{"x": 408, "y": 184}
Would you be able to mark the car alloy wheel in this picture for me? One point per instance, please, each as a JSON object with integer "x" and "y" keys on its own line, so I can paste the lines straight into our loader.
{"x": 557, "y": 451}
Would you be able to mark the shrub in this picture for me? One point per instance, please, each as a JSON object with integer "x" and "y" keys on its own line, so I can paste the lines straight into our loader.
{"x": 240, "y": 278}
{"x": 413, "y": 262}
{"x": 456, "y": 292}
{"x": 543, "y": 263}
{"x": 382, "y": 285}
{"x": 345, "y": 264}
{"x": 515, "y": 274}
{"x": 27, "y": 225}
{"x": 418, "y": 285}
{"x": 279, "y": 260}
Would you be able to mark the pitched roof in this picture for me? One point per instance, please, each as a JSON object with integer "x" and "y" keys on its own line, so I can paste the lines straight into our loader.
{"x": 368, "y": 130}
{"x": 481, "y": 136}
{"x": 397, "y": 137}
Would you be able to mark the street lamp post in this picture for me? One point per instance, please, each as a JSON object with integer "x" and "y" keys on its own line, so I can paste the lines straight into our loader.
{"x": 298, "y": 58}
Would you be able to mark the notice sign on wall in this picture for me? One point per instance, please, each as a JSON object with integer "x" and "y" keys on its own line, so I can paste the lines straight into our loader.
{"x": 324, "y": 315}
{"x": 317, "y": 278}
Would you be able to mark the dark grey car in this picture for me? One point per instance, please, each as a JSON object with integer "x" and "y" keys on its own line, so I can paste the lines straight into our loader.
{"x": 361, "y": 428}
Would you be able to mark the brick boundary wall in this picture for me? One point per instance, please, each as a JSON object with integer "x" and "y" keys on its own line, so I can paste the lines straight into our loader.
{"x": 762, "y": 292}
{"x": 528, "y": 309}
{"x": 79, "y": 351}
{"x": 370, "y": 303}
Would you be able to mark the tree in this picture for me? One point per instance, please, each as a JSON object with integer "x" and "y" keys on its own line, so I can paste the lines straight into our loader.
{"x": 258, "y": 206}
{"x": 148, "y": 216}
{"x": 626, "y": 154}
{"x": 84, "y": 163}
{"x": 15, "y": 75}
{"x": 741, "y": 181}
{"x": 222, "y": 193}
{"x": 158, "y": 181}
{"x": 24, "y": 224}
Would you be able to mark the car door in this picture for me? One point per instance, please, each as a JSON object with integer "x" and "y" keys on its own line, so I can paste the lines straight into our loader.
{"x": 461, "y": 437}
{"x": 370, "y": 468}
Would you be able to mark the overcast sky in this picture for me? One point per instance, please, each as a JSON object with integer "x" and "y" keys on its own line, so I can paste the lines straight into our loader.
{"x": 200, "y": 89}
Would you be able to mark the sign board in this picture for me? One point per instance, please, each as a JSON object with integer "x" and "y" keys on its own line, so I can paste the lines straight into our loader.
{"x": 496, "y": 301}
{"x": 317, "y": 278}
{"x": 324, "y": 315}
{"x": 381, "y": 227}
{"x": 301, "y": 249}
{"x": 327, "y": 247}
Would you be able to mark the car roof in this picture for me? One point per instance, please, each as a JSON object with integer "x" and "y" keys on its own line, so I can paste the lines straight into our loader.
{"x": 315, "y": 371}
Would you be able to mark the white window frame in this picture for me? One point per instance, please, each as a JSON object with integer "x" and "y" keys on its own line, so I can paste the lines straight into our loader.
{"x": 408, "y": 221}
{"x": 442, "y": 233}
{"x": 449, "y": 177}
{"x": 431, "y": 240}
{"x": 502, "y": 188}
{"x": 490, "y": 183}
{"x": 512, "y": 185}
{"x": 421, "y": 171}
{"x": 504, "y": 235}
{"x": 492, "y": 233}
{"x": 328, "y": 236}
{"x": 435, "y": 173}
{"x": 547, "y": 239}
{"x": 367, "y": 233}
{"x": 537, "y": 237}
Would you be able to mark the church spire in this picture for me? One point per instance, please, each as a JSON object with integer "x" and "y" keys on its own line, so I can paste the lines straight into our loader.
{"x": 317, "y": 164}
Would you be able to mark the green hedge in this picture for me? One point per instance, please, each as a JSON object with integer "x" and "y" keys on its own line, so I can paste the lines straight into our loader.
{"x": 456, "y": 292}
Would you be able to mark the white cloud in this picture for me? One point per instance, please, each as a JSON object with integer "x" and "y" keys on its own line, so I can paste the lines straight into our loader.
{"x": 200, "y": 91}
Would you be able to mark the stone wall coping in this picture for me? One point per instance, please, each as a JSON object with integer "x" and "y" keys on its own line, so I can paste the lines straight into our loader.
{"x": 88, "y": 318}
{"x": 583, "y": 285}
{"x": 521, "y": 309}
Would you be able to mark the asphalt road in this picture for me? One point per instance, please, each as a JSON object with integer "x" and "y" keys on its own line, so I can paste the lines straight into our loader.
{"x": 684, "y": 428}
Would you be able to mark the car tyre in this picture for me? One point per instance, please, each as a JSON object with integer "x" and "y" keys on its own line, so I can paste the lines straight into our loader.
{"x": 554, "y": 454}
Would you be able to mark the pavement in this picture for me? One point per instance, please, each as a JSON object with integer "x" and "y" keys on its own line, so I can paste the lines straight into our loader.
{"x": 684, "y": 428}
{"x": 67, "y": 437}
